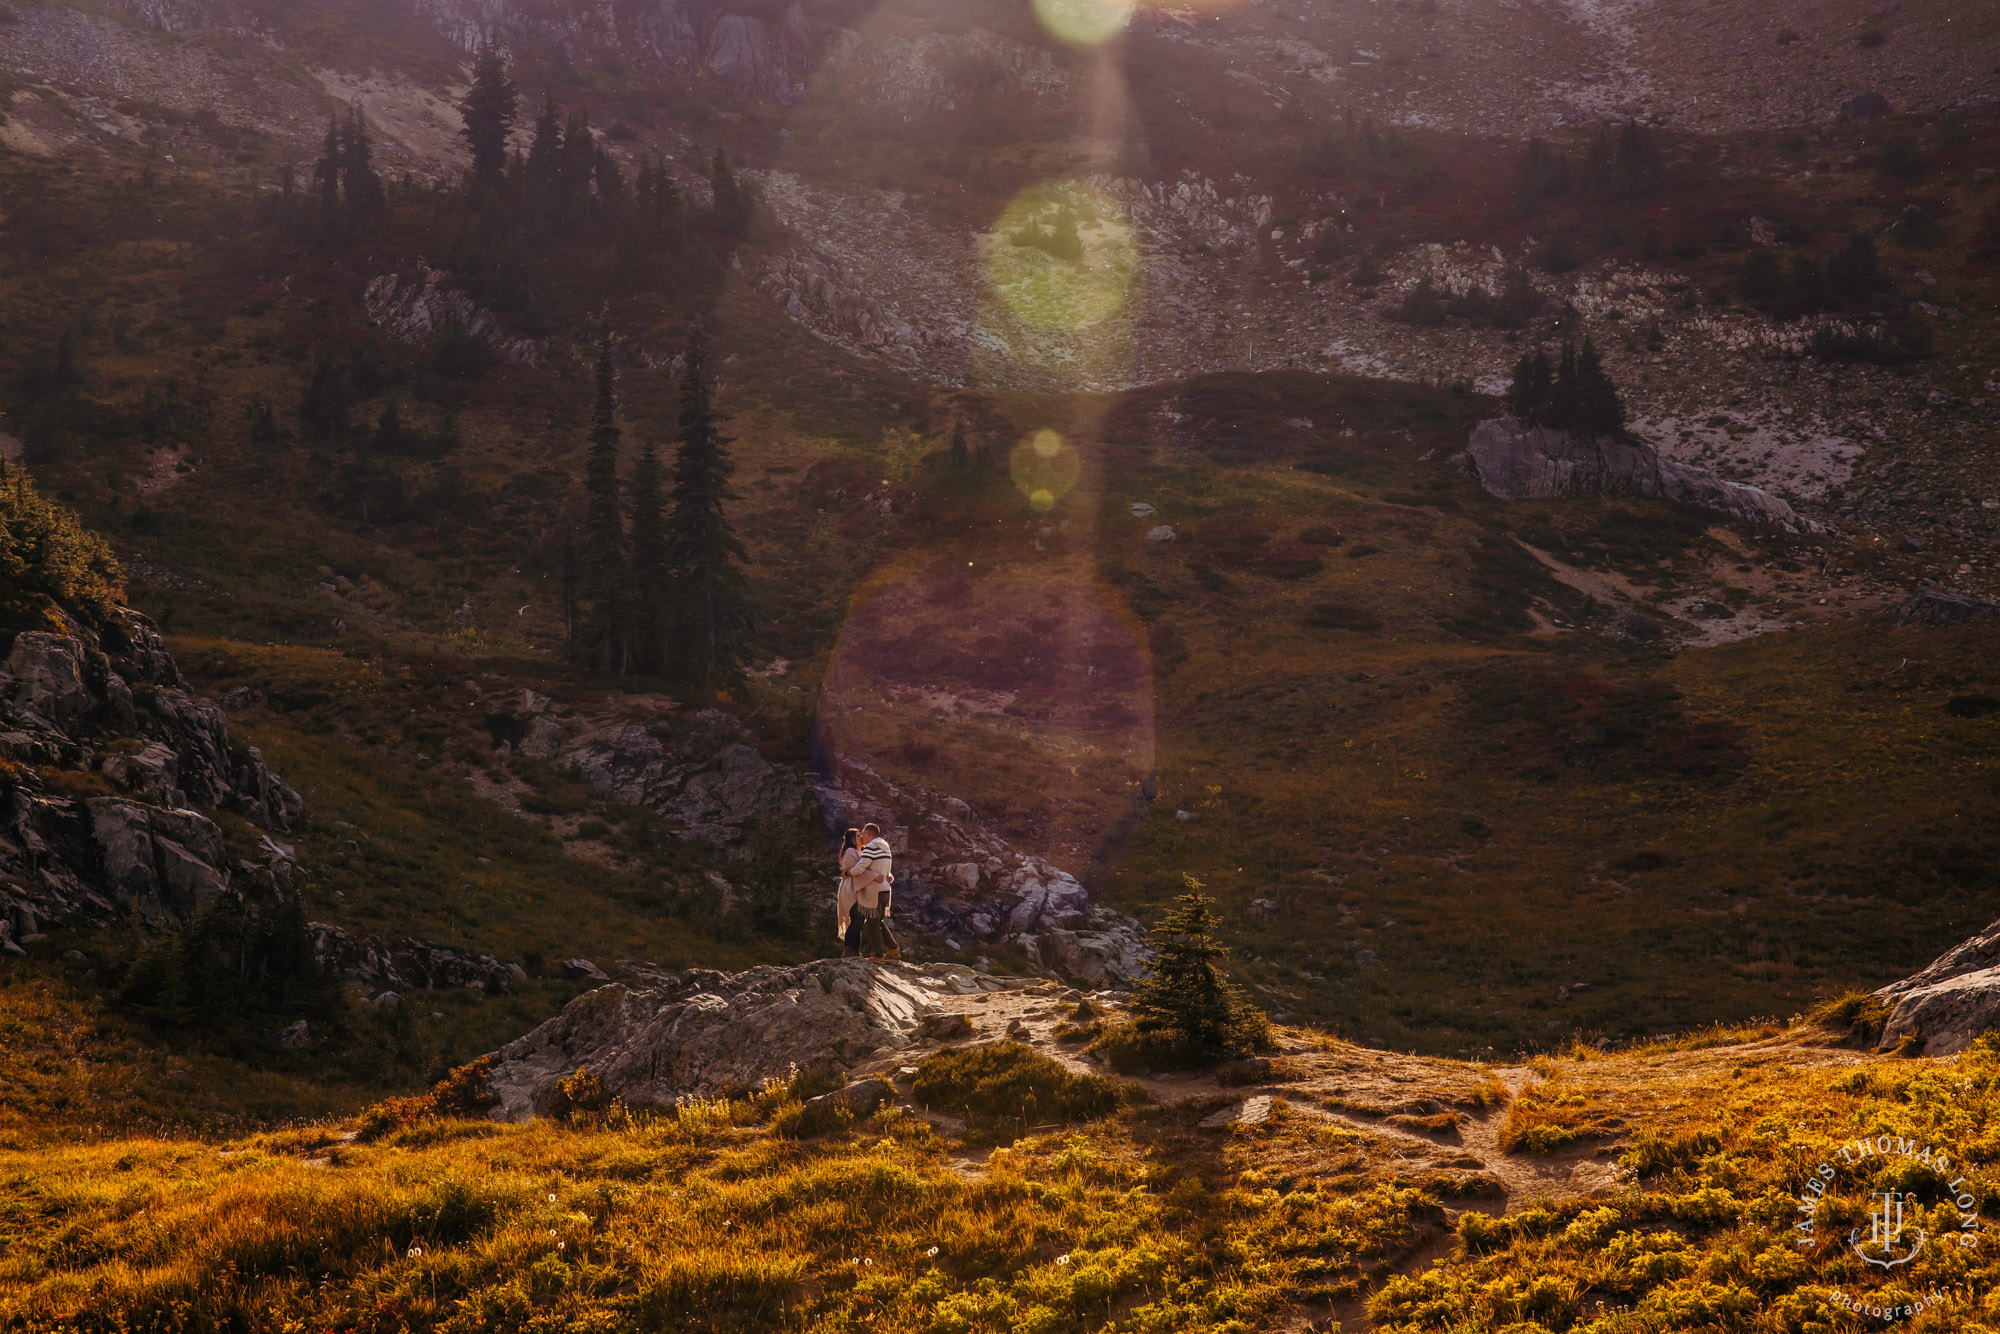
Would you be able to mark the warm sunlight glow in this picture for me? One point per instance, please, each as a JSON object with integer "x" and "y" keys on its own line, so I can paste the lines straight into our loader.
{"x": 1084, "y": 22}
{"x": 1061, "y": 256}
{"x": 1044, "y": 467}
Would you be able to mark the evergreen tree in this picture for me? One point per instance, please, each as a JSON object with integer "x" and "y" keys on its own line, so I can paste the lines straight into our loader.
{"x": 1594, "y": 404}
{"x": 733, "y": 205}
{"x": 578, "y": 165}
{"x": 328, "y": 393}
{"x": 488, "y": 110}
{"x": 326, "y": 180}
{"x": 601, "y": 643}
{"x": 1560, "y": 414}
{"x": 389, "y": 429}
{"x": 365, "y": 197}
{"x": 1528, "y": 398}
{"x": 1187, "y": 1001}
{"x": 711, "y": 613}
{"x": 651, "y": 571}
{"x": 543, "y": 167}
{"x": 1854, "y": 273}
{"x": 960, "y": 458}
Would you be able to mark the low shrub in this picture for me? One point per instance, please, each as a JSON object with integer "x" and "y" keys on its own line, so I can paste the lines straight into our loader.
{"x": 1858, "y": 1015}
{"x": 1005, "y": 1089}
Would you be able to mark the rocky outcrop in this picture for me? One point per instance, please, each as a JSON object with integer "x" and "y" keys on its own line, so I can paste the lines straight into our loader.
{"x": 1944, "y": 1007}
{"x": 108, "y": 709}
{"x": 373, "y": 966}
{"x": 416, "y": 308}
{"x": 958, "y": 878}
{"x": 1934, "y": 606}
{"x": 759, "y": 53}
{"x": 955, "y": 877}
{"x": 1518, "y": 462}
{"x": 698, "y": 769}
{"x": 701, "y": 1033}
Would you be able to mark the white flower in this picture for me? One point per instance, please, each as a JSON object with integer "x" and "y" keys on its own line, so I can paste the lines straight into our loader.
{"x": 868, "y": 1261}
{"x": 415, "y": 1251}
{"x": 1062, "y": 1259}
{"x": 552, "y": 1232}
{"x": 552, "y": 1197}
{"x": 932, "y": 1251}
{"x": 562, "y": 1245}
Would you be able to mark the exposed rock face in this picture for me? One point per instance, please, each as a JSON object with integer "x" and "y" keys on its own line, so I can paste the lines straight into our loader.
{"x": 958, "y": 878}
{"x": 1934, "y": 606}
{"x": 700, "y": 769}
{"x": 762, "y": 56}
{"x": 1516, "y": 462}
{"x": 1950, "y": 1003}
{"x": 954, "y": 876}
{"x": 114, "y": 703}
{"x": 371, "y": 965}
{"x": 701, "y": 1032}
{"x": 416, "y": 308}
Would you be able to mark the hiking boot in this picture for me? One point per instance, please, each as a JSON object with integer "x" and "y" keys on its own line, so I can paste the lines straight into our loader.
{"x": 892, "y": 954}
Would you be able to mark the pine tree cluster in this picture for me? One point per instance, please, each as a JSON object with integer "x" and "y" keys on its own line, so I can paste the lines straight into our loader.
{"x": 346, "y": 188}
{"x": 1620, "y": 169}
{"x": 658, "y": 585}
{"x": 1852, "y": 279}
{"x": 1573, "y": 392}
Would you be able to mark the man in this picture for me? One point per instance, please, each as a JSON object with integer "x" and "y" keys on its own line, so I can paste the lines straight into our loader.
{"x": 872, "y": 888}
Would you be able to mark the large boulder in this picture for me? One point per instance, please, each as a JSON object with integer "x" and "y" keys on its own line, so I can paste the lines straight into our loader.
{"x": 1518, "y": 462}
{"x": 700, "y": 1033}
{"x": 166, "y": 864}
{"x": 1947, "y": 1005}
{"x": 1934, "y": 606}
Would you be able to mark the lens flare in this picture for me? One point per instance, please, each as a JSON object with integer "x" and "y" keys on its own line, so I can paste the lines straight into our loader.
{"x": 1084, "y": 22}
{"x": 1061, "y": 256}
{"x": 1044, "y": 467}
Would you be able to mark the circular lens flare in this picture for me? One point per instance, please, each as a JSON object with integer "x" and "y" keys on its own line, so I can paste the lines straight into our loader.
{"x": 1044, "y": 467}
{"x": 1061, "y": 256}
{"x": 1084, "y": 22}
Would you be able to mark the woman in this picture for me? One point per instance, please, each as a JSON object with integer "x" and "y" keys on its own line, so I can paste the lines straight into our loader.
{"x": 847, "y": 912}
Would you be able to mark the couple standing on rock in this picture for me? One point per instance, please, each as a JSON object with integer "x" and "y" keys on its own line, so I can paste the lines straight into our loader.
{"x": 862, "y": 905}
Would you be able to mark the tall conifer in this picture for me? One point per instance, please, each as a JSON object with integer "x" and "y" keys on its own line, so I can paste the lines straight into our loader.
{"x": 651, "y": 571}
{"x": 488, "y": 110}
{"x": 601, "y": 644}
{"x": 365, "y": 196}
{"x": 711, "y": 613}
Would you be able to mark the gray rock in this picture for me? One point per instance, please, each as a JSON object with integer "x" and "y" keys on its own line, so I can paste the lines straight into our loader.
{"x": 297, "y": 1037}
{"x": 945, "y": 1027}
{"x": 1515, "y": 462}
{"x": 1934, "y": 606}
{"x": 701, "y": 1032}
{"x": 164, "y": 864}
{"x": 583, "y": 970}
{"x": 48, "y": 676}
{"x": 1951, "y": 1002}
{"x": 858, "y": 1099}
{"x": 1865, "y": 107}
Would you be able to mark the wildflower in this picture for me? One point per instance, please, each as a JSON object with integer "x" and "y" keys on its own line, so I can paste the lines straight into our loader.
{"x": 552, "y": 1232}
{"x": 415, "y": 1251}
{"x": 552, "y": 1197}
{"x": 1062, "y": 1259}
{"x": 868, "y": 1261}
{"x": 932, "y": 1251}
{"x": 562, "y": 1245}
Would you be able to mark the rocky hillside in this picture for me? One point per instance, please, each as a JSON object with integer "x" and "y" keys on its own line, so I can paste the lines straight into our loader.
{"x": 105, "y": 755}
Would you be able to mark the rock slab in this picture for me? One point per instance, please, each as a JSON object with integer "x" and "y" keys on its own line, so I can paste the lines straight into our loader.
{"x": 1518, "y": 462}
{"x": 702, "y": 1033}
{"x": 1947, "y": 1005}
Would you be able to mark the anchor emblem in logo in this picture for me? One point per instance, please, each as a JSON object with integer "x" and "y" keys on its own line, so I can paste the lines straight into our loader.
{"x": 1886, "y": 1233}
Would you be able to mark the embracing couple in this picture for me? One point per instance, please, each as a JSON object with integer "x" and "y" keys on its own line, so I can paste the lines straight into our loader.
{"x": 862, "y": 906}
